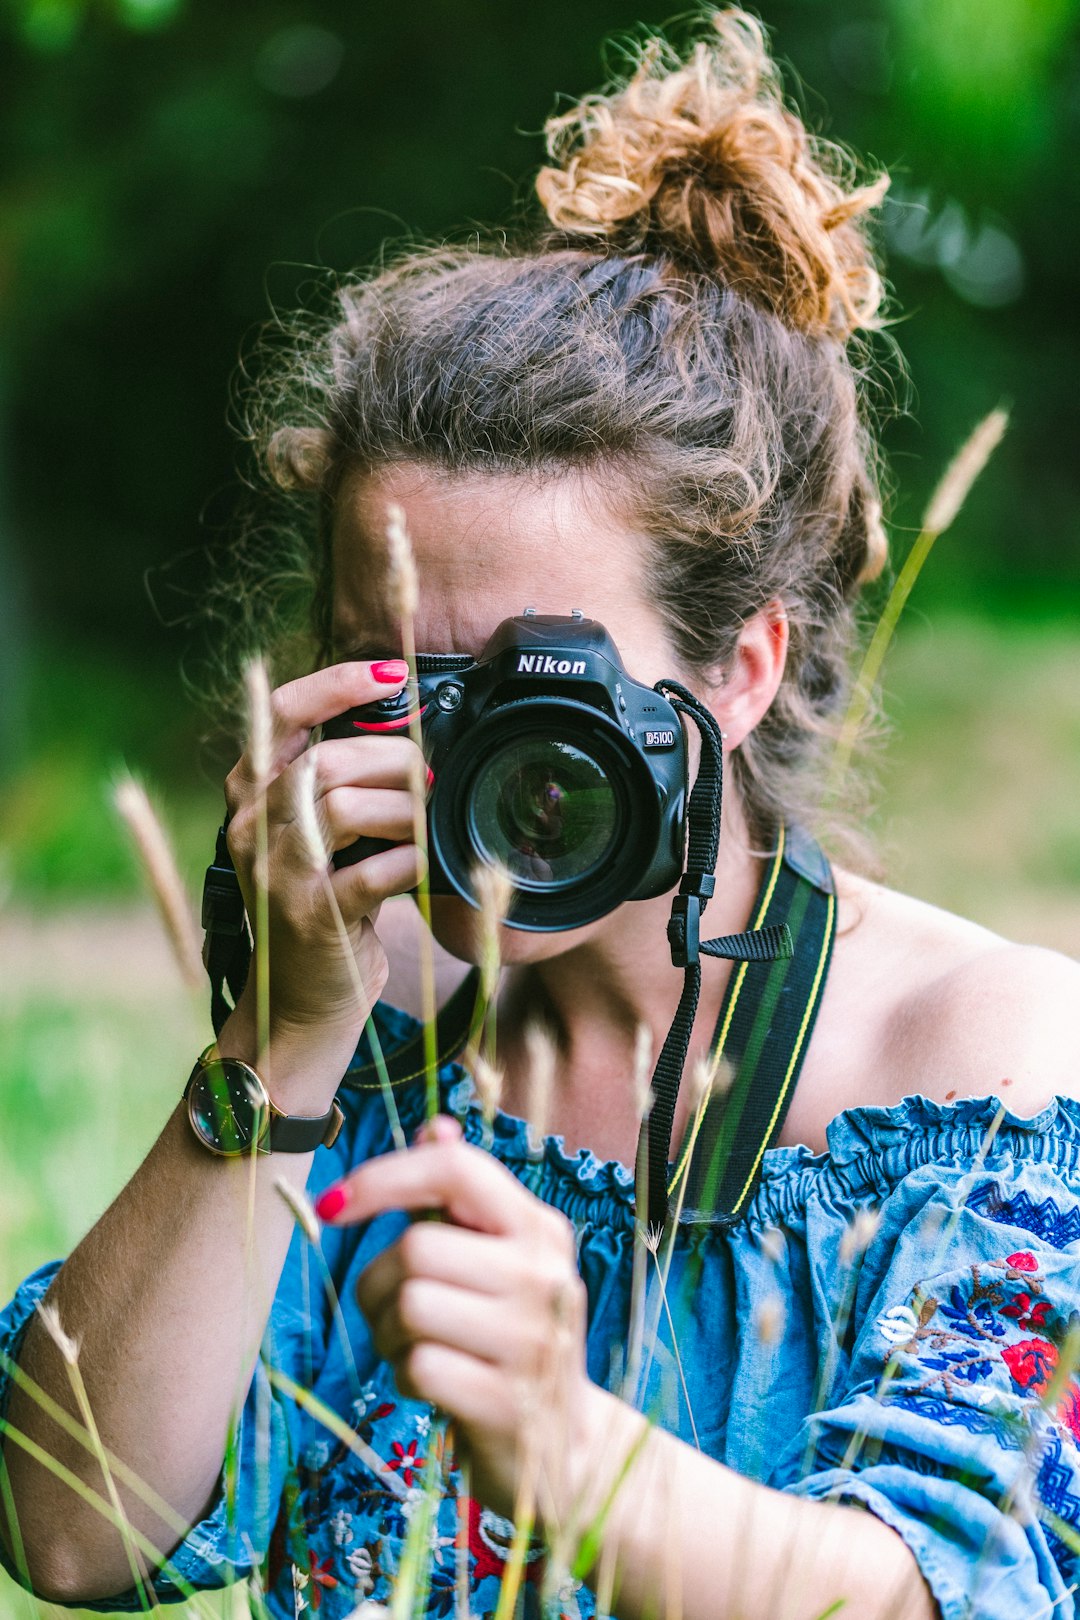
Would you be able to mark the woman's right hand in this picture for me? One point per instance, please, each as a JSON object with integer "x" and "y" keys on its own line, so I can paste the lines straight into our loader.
{"x": 361, "y": 786}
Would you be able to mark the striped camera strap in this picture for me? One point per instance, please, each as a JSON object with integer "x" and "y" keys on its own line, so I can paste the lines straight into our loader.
{"x": 760, "y": 1039}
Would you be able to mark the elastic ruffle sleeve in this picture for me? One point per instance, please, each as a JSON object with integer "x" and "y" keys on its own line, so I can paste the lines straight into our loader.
{"x": 234, "y": 1536}
{"x": 951, "y": 1412}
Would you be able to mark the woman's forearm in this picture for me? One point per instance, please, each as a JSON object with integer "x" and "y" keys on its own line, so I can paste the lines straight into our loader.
{"x": 167, "y": 1298}
{"x": 685, "y": 1535}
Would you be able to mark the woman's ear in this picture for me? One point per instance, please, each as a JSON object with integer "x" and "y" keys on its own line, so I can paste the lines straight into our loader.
{"x": 744, "y": 689}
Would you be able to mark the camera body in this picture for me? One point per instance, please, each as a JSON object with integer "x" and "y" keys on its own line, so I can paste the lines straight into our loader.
{"x": 549, "y": 761}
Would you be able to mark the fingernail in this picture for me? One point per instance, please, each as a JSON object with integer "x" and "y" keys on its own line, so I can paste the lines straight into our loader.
{"x": 441, "y": 1128}
{"x": 330, "y": 1203}
{"x": 430, "y": 777}
{"x": 390, "y": 671}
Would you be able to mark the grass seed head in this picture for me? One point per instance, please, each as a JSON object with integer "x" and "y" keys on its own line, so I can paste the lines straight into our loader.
{"x": 260, "y": 722}
{"x": 494, "y": 890}
{"x": 541, "y": 1059}
{"x": 166, "y": 884}
{"x": 956, "y": 481}
{"x": 769, "y": 1319}
{"x": 709, "y": 1077}
{"x": 773, "y": 1244}
{"x": 488, "y": 1081}
{"x": 643, "y": 1068}
{"x": 254, "y": 1092}
{"x": 303, "y": 1210}
{"x": 402, "y": 582}
{"x": 307, "y": 815}
{"x": 859, "y": 1234}
{"x": 50, "y": 1321}
{"x": 650, "y": 1237}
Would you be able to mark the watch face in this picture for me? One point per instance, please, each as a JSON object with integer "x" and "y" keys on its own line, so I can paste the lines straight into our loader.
{"x": 226, "y": 1109}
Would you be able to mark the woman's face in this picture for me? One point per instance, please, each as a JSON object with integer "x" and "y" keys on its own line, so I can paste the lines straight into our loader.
{"x": 487, "y": 546}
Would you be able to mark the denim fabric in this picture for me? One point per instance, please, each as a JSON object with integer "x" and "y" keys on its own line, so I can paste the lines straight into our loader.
{"x": 899, "y": 1367}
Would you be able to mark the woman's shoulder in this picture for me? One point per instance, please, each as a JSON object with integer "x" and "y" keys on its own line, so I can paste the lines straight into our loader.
{"x": 956, "y": 1010}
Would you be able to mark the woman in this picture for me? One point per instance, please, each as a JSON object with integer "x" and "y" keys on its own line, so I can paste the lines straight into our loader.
{"x": 652, "y": 413}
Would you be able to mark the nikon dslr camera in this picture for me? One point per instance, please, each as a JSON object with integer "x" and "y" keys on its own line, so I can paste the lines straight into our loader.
{"x": 550, "y": 762}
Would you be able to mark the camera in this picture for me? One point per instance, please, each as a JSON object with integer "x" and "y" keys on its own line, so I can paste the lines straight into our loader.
{"x": 551, "y": 762}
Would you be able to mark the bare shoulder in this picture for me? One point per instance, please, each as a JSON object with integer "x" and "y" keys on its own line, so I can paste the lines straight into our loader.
{"x": 961, "y": 1011}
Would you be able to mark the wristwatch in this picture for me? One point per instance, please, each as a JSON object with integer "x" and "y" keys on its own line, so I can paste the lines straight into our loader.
{"x": 231, "y": 1112}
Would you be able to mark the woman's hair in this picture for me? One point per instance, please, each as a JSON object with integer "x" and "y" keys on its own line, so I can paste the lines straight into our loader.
{"x": 679, "y": 324}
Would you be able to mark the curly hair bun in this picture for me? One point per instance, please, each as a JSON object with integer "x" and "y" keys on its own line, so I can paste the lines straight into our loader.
{"x": 701, "y": 159}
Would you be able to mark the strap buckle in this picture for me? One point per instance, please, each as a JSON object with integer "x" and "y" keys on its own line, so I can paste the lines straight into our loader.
{"x": 684, "y": 924}
{"x": 684, "y": 930}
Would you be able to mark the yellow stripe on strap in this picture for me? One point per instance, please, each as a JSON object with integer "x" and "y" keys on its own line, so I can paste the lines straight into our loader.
{"x": 740, "y": 975}
{"x": 814, "y": 992}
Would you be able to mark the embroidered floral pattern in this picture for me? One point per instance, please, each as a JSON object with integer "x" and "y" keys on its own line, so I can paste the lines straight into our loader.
{"x": 1068, "y": 1411}
{"x": 408, "y": 1460}
{"x": 962, "y": 1341}
{"x": 1026, "y": 1314}
{"x": 322, "y": 1578}
{"x": 1031, "y": 1363}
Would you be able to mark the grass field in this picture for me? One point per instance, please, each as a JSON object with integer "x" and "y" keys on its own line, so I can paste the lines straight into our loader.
{"x": 981, "y": 784}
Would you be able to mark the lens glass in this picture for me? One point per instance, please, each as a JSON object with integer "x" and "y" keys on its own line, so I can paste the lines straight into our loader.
{"x": 545, "y": 810}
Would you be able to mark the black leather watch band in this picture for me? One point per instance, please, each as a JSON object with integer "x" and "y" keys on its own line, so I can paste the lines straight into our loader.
{"x": 302, "y": 1133}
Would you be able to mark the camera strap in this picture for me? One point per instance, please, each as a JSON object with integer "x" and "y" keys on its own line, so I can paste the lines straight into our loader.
{"x": 768, "y": 1011}
{"x": 227, "y": 940}
{"x": 761, "y": 1035}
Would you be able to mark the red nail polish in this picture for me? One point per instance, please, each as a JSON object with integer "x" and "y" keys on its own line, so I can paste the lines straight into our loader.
{"x": 390, "y": 671}
{"x": 330, "y": 1203}
{"x": 430, "y": 777}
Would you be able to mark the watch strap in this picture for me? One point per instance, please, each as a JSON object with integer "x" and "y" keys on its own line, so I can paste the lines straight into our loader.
{"x": 302, "y": 1133}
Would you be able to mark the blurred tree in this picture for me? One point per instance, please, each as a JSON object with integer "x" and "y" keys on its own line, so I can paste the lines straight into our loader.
{"x": 174, "y": 168}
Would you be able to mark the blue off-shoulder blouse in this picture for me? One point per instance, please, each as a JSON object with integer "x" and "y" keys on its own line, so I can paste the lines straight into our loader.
{"x": 882, "y": 1327}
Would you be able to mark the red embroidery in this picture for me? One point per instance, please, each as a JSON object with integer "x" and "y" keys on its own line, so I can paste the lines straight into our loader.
{"x": 1023, "y": 1260}
{"x": 1031, "y": 1363}
{"x": 490, "y": 1547}
{"x": 320, "y": 1577}
{"x": 407, "y": 1460}
{"x": 1068, "y": 1411}
{"x": 1026, "y": 1314}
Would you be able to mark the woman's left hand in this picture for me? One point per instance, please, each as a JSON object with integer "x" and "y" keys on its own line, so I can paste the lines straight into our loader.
{"x": 482, "y": 1313}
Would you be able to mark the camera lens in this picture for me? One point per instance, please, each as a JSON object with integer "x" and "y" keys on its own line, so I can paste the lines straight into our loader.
{"x": 545, "y": 810}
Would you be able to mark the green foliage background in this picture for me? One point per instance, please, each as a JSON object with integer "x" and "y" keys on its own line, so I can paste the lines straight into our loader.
{"x": 173, "y": 170}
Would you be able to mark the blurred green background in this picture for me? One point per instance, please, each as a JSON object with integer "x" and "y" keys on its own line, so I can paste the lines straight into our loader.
{"x": 174, "y": 171}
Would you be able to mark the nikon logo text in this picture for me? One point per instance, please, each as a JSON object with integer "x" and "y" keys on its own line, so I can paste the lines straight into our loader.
{"x": 544, "y": 664}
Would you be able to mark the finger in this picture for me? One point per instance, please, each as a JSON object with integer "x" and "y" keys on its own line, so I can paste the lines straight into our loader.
{"x": 307, "y": 702}
{"x": 440, "y": 1128}
{"x": 366, "y": 884}
{"x": 372, "y": 812}
{"x": 299, "y": 706}
{"x": 477, "y": 1324}
{"x": 313, "y": 775}
{"x": 470, "y": 1186}
{"x": 365, "y": 762}
{"x": 448, "y": 1254}
{"x": 471, "y": 1390}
